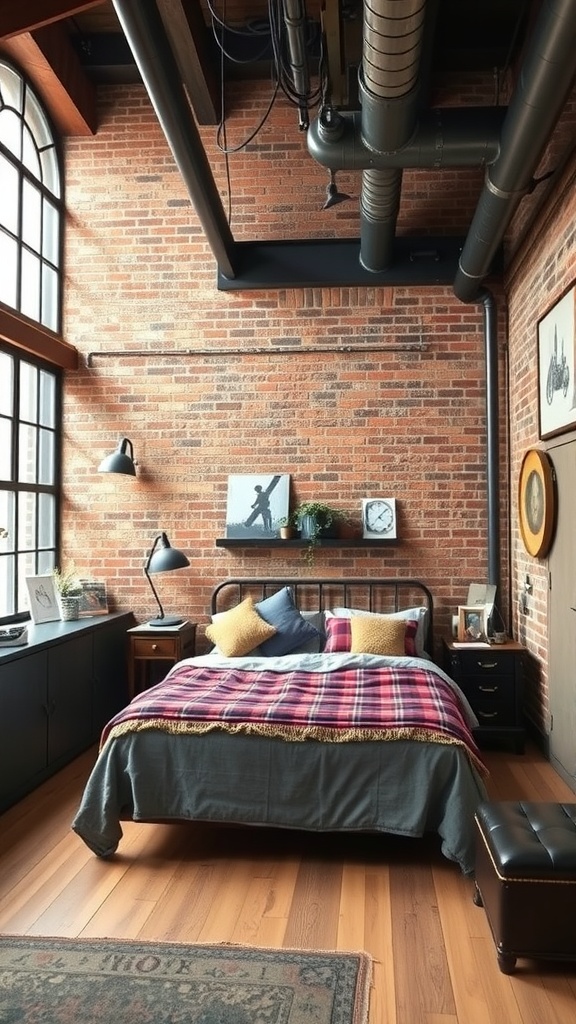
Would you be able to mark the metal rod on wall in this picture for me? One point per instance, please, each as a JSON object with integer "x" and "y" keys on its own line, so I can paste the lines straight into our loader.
{"x": 419, "y": 346}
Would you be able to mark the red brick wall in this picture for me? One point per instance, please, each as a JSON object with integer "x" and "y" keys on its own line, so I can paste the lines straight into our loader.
{"x": 200, "y": 404}
{"x": 543, "y": 269}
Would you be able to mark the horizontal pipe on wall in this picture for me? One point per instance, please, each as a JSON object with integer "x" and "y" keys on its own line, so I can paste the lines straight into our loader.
{"x": 142, "y": 353}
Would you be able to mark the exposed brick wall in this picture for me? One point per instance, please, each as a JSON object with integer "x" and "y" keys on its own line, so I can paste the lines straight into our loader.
{"x": 544, "y": 267}
{"x": 140, "y": 277}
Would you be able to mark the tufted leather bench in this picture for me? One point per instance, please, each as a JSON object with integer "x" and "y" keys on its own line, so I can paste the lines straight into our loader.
{"x": 526, "y": 878}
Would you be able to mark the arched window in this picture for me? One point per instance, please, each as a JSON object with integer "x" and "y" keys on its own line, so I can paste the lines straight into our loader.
{"x": 31, "y": 216}
{"x": 31, "y": 204}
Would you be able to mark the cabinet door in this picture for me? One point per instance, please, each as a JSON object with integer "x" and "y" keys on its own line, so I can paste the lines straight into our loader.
{"x": 23, "y": 732}
{"x": 110, "y": 673}
{"x": 70, "y": 686}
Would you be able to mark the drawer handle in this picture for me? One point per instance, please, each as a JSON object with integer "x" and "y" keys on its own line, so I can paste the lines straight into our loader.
{"x": 487, "y": 714}
{"x": 488, "y": 689}
{"x": 488, "y": 664}
{"x": 154, "y": 647}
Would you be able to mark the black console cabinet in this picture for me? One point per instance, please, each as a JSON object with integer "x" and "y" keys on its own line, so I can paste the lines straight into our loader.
{"x": 56, "y": 694}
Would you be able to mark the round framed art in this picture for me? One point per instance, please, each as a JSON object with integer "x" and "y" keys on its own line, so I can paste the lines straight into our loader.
{"x": 537, "y": 502}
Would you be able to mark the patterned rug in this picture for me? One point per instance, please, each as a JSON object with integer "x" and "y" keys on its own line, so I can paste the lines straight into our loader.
{"x": 84, "y": 981}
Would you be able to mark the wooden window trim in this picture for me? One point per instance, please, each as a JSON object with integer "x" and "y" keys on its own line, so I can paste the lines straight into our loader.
{"x": 18, "y": 330}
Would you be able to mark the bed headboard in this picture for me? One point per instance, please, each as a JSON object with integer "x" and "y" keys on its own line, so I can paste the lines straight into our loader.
{"x": 371, "y": 595}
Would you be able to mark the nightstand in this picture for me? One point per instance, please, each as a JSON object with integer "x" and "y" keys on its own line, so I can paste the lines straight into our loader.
{"x": 157, "y": 644}
{"x": 492, "y": 679}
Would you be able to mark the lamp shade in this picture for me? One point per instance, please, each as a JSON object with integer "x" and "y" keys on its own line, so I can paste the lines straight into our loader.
{"x": 120, "y": 461}
{"x": 163, "y": 558}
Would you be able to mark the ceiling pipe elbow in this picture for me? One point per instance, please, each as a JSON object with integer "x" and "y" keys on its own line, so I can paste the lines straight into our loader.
{"x": 442, "y": 138}
{"x": 545, "y": 79}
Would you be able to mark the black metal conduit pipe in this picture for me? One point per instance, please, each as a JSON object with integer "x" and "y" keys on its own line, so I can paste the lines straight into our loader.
{"x": 449, "y": 137}
{"x": 146, "y": 36}
{"x": 545, "y": 80}
{"x": 492, "y": 438}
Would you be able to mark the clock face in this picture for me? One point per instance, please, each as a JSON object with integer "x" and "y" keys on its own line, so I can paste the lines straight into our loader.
{"x": 379, "y": 517}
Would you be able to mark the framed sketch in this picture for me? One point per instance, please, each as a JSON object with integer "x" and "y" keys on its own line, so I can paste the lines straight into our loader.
{"x": 93, "y": 598}
{"x": 378, "y": 518}
{"x": 471, "y": 623}
{"x": 556, "y": 362}
{"x": 257, "y": 504}
{"x": 42, "y": 599}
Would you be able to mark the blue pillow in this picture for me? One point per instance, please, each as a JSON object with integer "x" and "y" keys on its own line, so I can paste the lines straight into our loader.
{"x": 292, "y": 630}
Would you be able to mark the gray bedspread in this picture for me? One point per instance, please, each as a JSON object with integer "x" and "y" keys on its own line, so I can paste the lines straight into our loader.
{"x": 403, "y": 787}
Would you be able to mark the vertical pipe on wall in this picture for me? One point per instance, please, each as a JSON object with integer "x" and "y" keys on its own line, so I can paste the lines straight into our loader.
{"x": 492, "y": 438}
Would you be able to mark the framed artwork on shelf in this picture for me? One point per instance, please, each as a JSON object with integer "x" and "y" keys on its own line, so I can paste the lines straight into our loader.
{"x": 42, "y": 599}
{"x": 471, "y": 623}
{"x": 378, "y": 518}
{"x": 93, "y": 598}
{"x": 556, "y": 362}
{"x": 256, "y": 505}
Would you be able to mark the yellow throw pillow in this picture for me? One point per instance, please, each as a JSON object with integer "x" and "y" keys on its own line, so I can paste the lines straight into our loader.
{"x": 375, "y": 634}
{"x": 240, "y": 630}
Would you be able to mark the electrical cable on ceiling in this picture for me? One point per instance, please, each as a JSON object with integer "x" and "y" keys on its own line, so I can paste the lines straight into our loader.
{"x": 275, "y": 32}
{"x": 276, "y": 37}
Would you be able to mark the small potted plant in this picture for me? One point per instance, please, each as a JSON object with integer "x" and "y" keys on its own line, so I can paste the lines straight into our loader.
{"x": 69, "y": 590}
{"x": 314, "y": 520}
{"x": 287, "y": 528}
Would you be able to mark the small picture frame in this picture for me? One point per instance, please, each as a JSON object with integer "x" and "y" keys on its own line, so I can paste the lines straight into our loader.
{"x": 42, "y": 599}
{"x": 471, "y": 623}
{"x": 93, "y": 598}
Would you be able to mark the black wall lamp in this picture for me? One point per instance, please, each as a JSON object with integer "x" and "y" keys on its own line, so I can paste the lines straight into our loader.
{"x": 163, "y": 559}
{"x": 120, "y": 461}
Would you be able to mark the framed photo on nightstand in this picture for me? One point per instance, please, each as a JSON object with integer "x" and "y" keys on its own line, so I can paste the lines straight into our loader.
{"x": 378, "y": 518}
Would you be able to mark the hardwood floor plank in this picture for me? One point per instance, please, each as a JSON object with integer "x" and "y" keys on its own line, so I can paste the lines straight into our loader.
{"x": 378, "y": 942}
{"x": 421, "y": 969}
{"x": 351, "y": 924}
{"x": 313, "y": 918}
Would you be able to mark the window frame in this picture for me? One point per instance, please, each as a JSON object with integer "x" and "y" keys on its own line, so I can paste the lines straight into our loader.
{"x": 28, "y": 180}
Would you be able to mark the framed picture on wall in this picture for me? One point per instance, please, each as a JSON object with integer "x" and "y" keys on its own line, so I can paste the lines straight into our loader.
{"x": 257, "y": 504}
{"x": 556, "y": 362}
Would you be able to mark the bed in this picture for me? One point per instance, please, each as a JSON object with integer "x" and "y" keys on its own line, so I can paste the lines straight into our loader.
{"x": 353, "y": 728}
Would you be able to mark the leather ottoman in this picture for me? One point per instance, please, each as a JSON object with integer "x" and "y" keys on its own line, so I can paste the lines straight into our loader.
{"x": 526, "y": 878}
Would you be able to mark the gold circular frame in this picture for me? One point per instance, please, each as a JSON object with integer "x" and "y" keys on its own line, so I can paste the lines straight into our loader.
{"x": 537, "y": 502}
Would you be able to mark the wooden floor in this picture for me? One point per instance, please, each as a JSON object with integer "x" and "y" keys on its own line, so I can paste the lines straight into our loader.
{"x": 399, "y": 899}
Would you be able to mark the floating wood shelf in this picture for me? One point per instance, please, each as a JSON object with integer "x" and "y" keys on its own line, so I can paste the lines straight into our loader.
{"x": 277, "y": 542}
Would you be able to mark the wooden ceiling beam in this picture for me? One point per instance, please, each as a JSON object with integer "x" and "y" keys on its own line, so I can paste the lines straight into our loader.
{"x": 49, "y": 60}
{"x": 28, "y": 15}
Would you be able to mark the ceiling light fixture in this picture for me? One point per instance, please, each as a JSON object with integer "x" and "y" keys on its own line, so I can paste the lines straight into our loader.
{"x": 333, "y": 196}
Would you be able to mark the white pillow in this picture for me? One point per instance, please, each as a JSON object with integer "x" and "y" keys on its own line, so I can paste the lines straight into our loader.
{"x": 419, "y": 615}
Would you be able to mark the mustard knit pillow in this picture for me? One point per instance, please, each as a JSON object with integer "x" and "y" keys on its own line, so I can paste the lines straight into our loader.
{"x": 240, "y": 630}
{"x": 375, "y": 634}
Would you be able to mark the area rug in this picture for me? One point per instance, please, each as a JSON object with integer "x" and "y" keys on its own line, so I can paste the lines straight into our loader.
{"x": 84, "y": 981}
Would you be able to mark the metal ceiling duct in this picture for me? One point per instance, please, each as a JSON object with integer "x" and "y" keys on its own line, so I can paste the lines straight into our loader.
{"x": 388, "y": 82}
{"x": 545, "y": 80}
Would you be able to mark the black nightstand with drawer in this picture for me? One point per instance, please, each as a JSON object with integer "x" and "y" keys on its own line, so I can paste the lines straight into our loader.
{"x": 493, "y": 680}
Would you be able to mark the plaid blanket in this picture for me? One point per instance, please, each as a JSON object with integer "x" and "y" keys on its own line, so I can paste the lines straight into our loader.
{"x": 342, "y": 705}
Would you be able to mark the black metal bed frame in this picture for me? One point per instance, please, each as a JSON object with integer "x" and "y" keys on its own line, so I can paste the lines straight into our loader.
{"x": 370, "y": 594}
